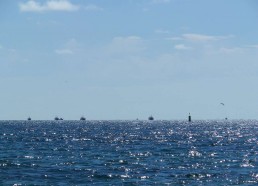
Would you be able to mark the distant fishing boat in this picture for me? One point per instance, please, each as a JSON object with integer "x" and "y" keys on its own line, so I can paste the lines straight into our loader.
{"x": 82, "y": 118}
{"x": 151, "y": 118}
{"x": 56, "y": 118}
{"x": 29, "y": 119}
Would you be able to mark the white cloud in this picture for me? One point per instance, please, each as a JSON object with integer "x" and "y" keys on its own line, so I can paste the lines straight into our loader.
{"x": 182, "y": 47}
{"x": 160, "y": 1}
{"x": 131, "y": 39}
{"x": 70, "y": 47}
{"x": 127, "y": 44}
{"x": 174, "y": 38}
{"x": 93, "y": 8}
{"x": 199, "y": 37}
{"x": 51, "y": 5}
{"x": 228, "y": 50}
{"x": 161, "y": 31}
{"x": 64, "y": 51}
{"x": 252, "y": 46}
{"x": 203, "y": 38}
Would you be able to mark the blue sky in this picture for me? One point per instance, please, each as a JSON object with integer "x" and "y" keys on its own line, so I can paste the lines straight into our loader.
{"x": 129, "y": 59}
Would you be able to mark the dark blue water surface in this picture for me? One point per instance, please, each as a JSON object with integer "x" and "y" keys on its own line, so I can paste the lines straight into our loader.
{"x": 128, "y": 153}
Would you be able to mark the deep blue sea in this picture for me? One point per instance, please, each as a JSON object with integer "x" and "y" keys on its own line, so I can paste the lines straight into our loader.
{"x": 128, "y": 153}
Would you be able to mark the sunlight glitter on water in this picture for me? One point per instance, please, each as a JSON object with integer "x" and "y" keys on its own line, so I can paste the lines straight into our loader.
{"x": 117, "y": 152}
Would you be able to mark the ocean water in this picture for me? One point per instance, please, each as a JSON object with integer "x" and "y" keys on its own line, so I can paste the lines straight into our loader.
{"x": 128, "y": 153}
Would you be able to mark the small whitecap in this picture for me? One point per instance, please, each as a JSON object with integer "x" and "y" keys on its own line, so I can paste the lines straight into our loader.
{"x": 246, "y": 165}
{"x": 208, "y": 175}
{"x": 194, "y": 153}
{"x": 144, "y": 177}
{"x": 85, "y": 139}
{"x": 255, "y": 175}
{"x": 125, "y": 176}
{"x": 213, "y": 154}
{"x": 29, "y": 157}
{"x": 181, "y": 167}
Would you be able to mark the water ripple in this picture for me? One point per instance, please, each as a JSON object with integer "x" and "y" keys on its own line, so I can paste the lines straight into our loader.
{"x": 128, "y": 152}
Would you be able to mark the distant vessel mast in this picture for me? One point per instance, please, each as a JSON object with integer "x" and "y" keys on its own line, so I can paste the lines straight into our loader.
{"x": 189, "y": 118}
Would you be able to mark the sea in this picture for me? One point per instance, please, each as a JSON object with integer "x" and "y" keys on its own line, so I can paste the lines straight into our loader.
{"x": 206, "y": 152}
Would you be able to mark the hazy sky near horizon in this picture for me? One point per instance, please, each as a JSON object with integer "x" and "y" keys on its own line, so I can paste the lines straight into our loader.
{"x": 128, "y": 59}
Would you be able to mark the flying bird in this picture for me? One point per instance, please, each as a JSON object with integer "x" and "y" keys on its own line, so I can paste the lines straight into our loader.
{"x": 222, "y": 104}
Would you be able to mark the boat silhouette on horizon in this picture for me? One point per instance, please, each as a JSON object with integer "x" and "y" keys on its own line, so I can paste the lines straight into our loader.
{"x": 82, "y": 118}
{"x": 57, "y": 118}
{"x": 150, "y": 118}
